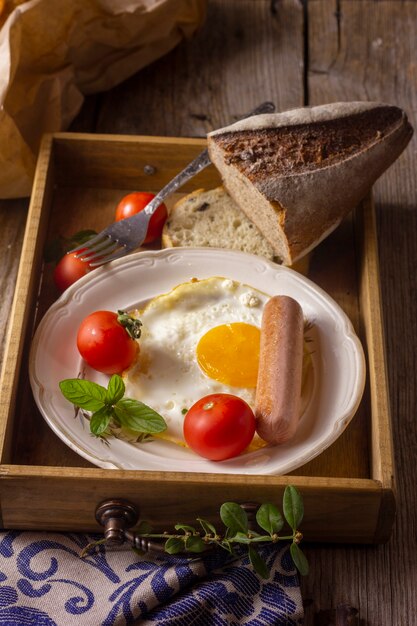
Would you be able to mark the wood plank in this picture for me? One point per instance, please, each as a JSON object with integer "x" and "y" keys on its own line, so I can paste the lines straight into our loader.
{"x": 12, "y": 224}
{"x": 366, "y": 50}
{"x": 127, "y": 163}
{"x": 50, "y": 499}
{"x": 247, "y": 52}
{"x": 27, "y": 285}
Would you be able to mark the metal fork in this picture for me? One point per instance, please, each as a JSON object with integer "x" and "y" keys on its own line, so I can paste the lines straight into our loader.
{"x": 122, "y": 237}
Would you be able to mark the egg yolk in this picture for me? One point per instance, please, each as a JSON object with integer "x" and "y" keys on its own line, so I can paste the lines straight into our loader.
{"x": 229, "y": 353}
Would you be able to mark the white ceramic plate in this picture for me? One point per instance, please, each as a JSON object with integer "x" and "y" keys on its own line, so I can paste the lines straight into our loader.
{"x": 335, "y": 389}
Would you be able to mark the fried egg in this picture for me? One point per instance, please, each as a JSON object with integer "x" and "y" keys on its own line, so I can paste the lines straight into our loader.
{"x": 202, "y": 337}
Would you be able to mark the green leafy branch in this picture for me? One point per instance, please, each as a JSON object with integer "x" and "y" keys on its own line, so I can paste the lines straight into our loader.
{"x": 189, "y": 539}
{"x": 109, "y": 408}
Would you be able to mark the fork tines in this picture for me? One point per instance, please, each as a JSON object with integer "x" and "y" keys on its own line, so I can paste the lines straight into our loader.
{"x": 98, "y": 250}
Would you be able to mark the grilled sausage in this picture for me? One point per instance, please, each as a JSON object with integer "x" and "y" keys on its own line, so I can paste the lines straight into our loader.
{"x": 278, "y": 391}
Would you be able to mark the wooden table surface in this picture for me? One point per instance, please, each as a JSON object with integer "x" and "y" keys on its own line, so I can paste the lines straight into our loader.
{"x": 300, "y": 53}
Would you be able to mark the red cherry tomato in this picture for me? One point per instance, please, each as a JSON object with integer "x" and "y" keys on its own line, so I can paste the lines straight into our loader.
{"x": 134, "y": 203}
{"x": 219, "y": 426}
{"x": 105, "y": 344}
{"x": 68, "y": 270}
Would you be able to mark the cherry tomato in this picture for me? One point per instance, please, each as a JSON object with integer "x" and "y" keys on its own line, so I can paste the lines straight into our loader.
{"x": 219, "y": 426}
{"x": 68, "y": 270}
{"x": 105, "y": 344}
{"x": 134, "y": 203}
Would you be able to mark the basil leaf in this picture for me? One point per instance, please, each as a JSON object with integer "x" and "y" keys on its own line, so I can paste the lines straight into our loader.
{"x": 100, "y": 420}
{"x": 55, "y": 249}
{"x": 269, "y": 518}
{"x": 234, "y": 517}
{"x": 139, "y": 417}
{"x": 83, "y": 393}
{"x": 293, "y": 507}
{"x": 81, "y": 237}
{"x": 258, "y": 563}
{"x": 299, "y": 558}
{"x": 115, "y": 389}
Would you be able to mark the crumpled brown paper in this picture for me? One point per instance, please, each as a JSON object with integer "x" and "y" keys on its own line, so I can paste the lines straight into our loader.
{"x": 52, "y": 53}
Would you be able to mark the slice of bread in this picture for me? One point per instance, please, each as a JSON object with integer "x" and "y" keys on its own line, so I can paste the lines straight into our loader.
{"x": 211, "y": 218}
{"x": 297, "y": 174}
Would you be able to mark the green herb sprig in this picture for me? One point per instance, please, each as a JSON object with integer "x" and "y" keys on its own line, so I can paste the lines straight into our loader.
{"x": 235, "y": 519}
{"x": 190, "y": 539}
{"x": 109, "y": 407}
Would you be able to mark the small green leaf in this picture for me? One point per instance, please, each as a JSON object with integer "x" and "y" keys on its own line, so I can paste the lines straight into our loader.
{"x": 260, "y": 539}
{"x": 226, "y": 545}
{"x": 56, "y": 248}
{"x": 115, "y": 389}
{"x": 82, "y": 236}
{"x": 208, "y": 528}
{"x": 258, "y": 563}
{"x": 100, "y": 420}
{"x": 174, "y": 545}
{"x": 240, "y": 537}
{"x": 185, "y": 528}
{"x": 84, "y": 393}
{"x": 269, "y": 518}
{"x": 293, "y": 507}
{"x": 234, "y": 517}
{"x": 195, "y": 544}
{"x": 139, "y": 417}
{"x": 299, "y": 558}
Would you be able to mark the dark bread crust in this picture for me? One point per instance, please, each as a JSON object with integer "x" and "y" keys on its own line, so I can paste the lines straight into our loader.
{"x": 311, "y": 166}
{"x": 290, "y": 150}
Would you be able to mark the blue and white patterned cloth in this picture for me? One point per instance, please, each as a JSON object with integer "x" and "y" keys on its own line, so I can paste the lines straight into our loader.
{"x": 44, "y": 582}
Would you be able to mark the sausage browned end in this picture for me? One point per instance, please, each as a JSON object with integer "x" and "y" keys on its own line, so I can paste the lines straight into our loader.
{"x": 278, "y": 390}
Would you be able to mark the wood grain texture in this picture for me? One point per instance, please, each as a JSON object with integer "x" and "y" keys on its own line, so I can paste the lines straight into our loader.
{"x": 368, "y": 50}
{"x": 53, "y": 503}
{"x": 247, "y": 52}
{"x": 12, "y": 224}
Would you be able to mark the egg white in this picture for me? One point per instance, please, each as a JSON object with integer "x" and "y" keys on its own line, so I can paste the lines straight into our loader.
{"x": 167, "y": 376}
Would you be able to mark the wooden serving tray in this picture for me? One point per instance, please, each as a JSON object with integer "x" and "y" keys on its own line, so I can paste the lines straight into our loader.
{"x": 348, "y": 490}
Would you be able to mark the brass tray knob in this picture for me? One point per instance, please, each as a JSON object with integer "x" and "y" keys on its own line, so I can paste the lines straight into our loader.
{"x": 116, "y": 515}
